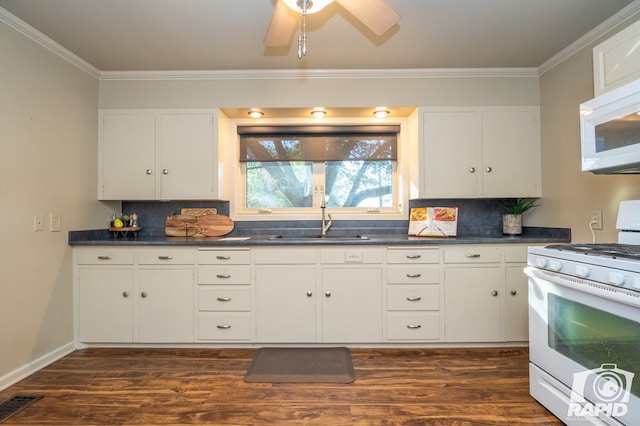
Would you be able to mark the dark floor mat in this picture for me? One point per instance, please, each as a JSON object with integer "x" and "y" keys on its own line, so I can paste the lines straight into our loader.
{"x": 301, "y": 365}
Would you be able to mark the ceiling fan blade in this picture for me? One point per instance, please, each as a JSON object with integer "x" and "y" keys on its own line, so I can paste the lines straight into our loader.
{"x": 282, "y": 26}
{"x": 375, "y": 14}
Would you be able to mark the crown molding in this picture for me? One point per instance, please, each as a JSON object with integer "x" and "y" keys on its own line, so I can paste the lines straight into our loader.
{"x": 28, "y": 31}
{"x": 630, "y": 12}
{"x": 318, "y": 74}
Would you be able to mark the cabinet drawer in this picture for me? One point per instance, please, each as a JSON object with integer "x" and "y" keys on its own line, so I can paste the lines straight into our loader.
{"x": 166, "y": 257}
{"x": 413, "y": 326}
{"x": 472, "y": 255}
{"x": 105, "y": 257}
{"x": 413, "y": 298}
{"x": 413, "y": 274}
{"x": 291, "y": 256}
{"x": 352, "y": 255}
{"x": 515, "y": 254}
{"x": 222, "y": 275}
{"x": 409, "y": 255}
{"x": 221, "y": 298}
{"x": 219, "y": 326}
{"x": 224, "y": 257}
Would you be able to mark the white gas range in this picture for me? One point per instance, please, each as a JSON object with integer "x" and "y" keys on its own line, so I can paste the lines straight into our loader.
{"x": 584, "y": 326}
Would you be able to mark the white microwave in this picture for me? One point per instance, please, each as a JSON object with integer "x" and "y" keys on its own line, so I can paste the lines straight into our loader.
{"x": 610, "y": 131}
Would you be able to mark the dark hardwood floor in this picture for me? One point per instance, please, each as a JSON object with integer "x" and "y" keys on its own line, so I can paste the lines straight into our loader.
{"x": 205, "y": 386}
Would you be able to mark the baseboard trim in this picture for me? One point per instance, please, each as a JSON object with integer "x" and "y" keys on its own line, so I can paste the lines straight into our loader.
{"x": 37, "y": 364}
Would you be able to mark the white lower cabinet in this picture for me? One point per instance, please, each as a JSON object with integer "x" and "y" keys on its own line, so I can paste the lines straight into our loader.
{"x": 413, "y": 294}
{"x": 225, "y": 295}
{"x": 124, "y": 300}
{"x": 485, "y": 294}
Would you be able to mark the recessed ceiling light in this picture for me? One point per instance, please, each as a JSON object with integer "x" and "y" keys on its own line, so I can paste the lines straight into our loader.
{"x": 318, "y": 112}
{"x": 255, "y": 113}
{"x": 381, "y": 112}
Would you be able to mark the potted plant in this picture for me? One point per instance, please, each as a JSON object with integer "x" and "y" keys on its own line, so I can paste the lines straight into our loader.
{"x": 512, "y": 219}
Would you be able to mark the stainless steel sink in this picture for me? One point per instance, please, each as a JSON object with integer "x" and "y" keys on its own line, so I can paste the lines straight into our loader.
{"x": 318, "y": 238}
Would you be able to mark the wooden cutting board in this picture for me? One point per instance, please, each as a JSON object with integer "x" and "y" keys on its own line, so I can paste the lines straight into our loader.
{"x": 210, "y": 225}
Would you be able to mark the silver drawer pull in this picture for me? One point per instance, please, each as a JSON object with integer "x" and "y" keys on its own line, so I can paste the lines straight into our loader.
{"x": 414, "y": 299}
{"x": 414, "y": 275}
{"x": 165, "y": 257}
{"x": 224, "y": 299}
{"x": 413, "y": 327}
{"x": 473, "y": 255}
{"x": 220, "y": 257}
{"x": 223, "y": 276}
{"x": 104, "y": 257}
{"x": 413, "y": 256}
{"x": 223, "y": 327}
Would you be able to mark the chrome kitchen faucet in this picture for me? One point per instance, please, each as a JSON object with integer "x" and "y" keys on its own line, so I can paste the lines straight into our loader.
{"x": 324, "y": 226}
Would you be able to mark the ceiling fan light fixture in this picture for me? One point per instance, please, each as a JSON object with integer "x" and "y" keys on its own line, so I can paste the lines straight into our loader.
{"x": 318, "y": 112}
{"x": 381, "y": 112}
{"x": 255, "y": 113}
{"x": 309, "y": 6}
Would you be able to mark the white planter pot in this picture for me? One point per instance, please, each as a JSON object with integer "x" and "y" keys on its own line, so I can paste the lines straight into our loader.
{"x": 512, "y": 224}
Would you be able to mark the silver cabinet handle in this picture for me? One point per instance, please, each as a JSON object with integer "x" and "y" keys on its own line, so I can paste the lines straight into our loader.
{"x": 223, "y": 276}
{"x": 414, "y": 299}
{"x": 165, "y": 257}
{"x": 223, "y": 326}
{"x": 473, "y": 255}
{"x": 309, "y": 293}
{"x": 327, "y": 293}
{"x": 104, "y": 257}
{"x": 413, "y": 256}
{"x": 513, "y": 292}
{"x": 143, "y": 294}
{"x": 148, "y": 171}
{"x": 414, "y": 326}
{"x": 414, "y": 275}
{"x": 489, "y": 169}
{"x": 125, "y": 294}
{"x": 494, "y": 293}
{"x": 472, "y": 169}
{"x": 224, "y": 299}
{"x": 165, "y": 171}
{"x": 220, "y": 257}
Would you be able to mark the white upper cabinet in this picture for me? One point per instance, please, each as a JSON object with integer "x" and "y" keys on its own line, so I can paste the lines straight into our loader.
{"x": 616, "y": 61}
{"x": 157, "y": 155}
{"x": 480, "y": 152}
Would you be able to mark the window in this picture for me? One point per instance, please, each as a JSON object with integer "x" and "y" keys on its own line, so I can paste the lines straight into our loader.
{"x": 294, "y": 167}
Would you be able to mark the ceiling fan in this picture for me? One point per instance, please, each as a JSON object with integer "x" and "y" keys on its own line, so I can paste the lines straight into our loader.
{"x": 374, "y": 14}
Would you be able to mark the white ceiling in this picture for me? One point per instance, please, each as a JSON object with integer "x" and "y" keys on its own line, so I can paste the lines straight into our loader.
{"x": 175, "y": 35}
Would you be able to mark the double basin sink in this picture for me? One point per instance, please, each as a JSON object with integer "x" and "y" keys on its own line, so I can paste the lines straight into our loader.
{"x": 318, "y": 238}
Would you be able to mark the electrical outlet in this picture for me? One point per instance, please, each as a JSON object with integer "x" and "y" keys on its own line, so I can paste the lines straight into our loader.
{"x": 596, "y": 219}
{"x": 38, "y": 222}
{"x": 54, "y": 222}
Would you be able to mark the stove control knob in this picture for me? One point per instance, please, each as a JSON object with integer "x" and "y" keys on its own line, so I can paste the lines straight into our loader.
{"x": 616, "y": 278}
{"x": 635, "y": 283}
{"x": 541, "y": 262}
{"x": 555, "y": 265}
{"x": 583, "y": 271}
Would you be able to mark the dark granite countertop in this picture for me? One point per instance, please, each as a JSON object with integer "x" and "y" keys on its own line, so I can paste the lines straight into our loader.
{"x": 104, "y": 237}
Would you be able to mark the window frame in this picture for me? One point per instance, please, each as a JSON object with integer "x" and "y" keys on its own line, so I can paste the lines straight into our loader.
{"x": 237, "y": 177}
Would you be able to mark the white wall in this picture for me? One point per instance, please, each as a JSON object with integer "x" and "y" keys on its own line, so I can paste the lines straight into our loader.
{"x": 569, "y": 194}
{"x": 48, "y": 111}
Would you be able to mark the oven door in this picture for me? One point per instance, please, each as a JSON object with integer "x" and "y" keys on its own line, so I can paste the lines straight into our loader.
{"x": 584, "y": 342}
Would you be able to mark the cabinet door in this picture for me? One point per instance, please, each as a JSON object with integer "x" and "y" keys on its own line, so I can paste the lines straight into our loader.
{"x": 127, "y": 168}
{"x": 286, "y": 304}
{"x": 351, "y": 305}
{"x": 105, "y": 305}
{"x": 166, "y": 311}
{"x": 186, "y": 156}
{"x": 450, "y": 152}
{"x": 516, "y": 305}
{"x": 472, "y": 304}
{"x": 511, "y": 153}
